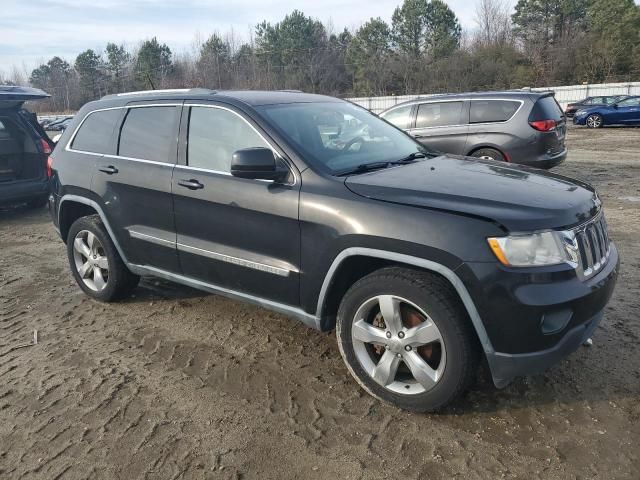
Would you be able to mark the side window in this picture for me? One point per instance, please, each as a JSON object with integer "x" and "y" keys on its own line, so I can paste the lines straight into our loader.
{"x": 439, "y": 114}
{"x": 487, "y": 111}
{"x": 400, "y": 117}
{"x": 96, "y": 132}
{"x": 214, "y": 134}
{"x": 630, "y": 102}
{"x": 588, "y": 101}
{"x": 149, "y": 133}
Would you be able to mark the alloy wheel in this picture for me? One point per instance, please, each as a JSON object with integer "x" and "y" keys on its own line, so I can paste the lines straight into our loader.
{"x": 90, "y": 260}
{"x": 398, "y": 345}
{"x": 594, "y": 121}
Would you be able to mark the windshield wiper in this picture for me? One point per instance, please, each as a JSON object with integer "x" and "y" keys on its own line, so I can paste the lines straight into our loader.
{"x": 368, "y": 167}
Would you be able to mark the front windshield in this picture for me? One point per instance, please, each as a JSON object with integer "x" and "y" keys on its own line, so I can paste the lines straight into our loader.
{"x": 339, "y": 136}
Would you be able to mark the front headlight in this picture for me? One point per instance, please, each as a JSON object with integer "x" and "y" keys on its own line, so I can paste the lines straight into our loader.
{"x": 536, "y": 249}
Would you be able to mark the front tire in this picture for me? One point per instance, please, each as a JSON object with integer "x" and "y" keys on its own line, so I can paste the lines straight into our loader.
{"x": 406, "y": 339}
{"x": 594, "y": 121}
{"x": 95, "y": 262}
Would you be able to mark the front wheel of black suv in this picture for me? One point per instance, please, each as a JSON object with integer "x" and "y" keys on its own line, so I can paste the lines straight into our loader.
{"x": 95, "y": 262}
{"x": 406, "y": 339}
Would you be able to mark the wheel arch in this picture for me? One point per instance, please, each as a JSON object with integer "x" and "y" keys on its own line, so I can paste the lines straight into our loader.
{"x": 356, "y": 262}
{"x": 488, "y": 145}
{"x": 72, "y": 207}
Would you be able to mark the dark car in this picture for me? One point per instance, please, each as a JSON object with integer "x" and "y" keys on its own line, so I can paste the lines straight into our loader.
{"x": 24, "y": 149}
{"x": 625, "y": 112}
{"x": 519, "y": 127}
{"x": 59, "y": 125}
{"x": 313, "y": 207}
{"x": 588, "y": 102}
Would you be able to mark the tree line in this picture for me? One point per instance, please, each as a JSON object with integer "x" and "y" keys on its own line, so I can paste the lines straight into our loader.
{"x": 422, "y": 50}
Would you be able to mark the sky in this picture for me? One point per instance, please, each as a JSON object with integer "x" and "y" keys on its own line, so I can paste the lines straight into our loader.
{"x": 33, "y": 31}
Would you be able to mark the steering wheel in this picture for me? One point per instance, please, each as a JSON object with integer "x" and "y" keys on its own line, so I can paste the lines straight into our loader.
{"x": 352, "y": 142}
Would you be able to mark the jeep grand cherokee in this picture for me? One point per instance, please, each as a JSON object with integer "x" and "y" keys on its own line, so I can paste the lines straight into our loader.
{"x": 311, "y": 206}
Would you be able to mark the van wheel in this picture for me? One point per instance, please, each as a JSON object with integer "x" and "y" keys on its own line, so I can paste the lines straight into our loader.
{"x": 489, "y": 154}
{"x": 95, "y": 262}
{"x": 594, "y": 121}
{"x": 406, "y": 339}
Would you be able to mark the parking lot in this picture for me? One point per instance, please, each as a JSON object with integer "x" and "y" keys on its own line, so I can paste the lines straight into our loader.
{"x": 176, "y": 383}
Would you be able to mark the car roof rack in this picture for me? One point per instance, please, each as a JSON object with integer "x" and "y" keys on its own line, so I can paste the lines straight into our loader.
{"x": 167, "y": 91}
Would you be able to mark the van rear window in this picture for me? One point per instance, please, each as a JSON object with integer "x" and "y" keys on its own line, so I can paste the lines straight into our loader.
{"x": 96, "y": 132}
{"x": 487, "y": 111}
{"x": 546, "y": 108}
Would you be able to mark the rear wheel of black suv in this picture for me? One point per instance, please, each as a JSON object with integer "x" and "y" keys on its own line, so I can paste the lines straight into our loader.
{"x": 95, "y": 262}
{"x": 406, "y": 339}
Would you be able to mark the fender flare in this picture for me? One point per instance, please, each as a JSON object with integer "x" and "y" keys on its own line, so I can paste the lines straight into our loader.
{"x": 432, "y": 266}
{"x": 103, "y": 217}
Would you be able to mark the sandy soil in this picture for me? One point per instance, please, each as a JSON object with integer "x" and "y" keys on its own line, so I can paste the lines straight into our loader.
{"x": 174, "y": 383}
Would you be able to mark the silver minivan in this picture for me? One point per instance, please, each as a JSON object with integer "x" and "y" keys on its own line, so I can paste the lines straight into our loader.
{"x": 520, "y": 127}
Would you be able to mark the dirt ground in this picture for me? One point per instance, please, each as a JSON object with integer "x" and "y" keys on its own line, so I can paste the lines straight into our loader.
{"x": 174, "y": 383}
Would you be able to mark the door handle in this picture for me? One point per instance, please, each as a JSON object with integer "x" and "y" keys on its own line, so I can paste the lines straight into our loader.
{"x": 110, "y": 169}
{"x": 191, "y": 184}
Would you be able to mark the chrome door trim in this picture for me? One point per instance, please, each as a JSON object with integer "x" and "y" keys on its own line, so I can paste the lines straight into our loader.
{"x": 151, "y": 239}
{"x": 263, "y": 267}
{"x": 418, "y": 262}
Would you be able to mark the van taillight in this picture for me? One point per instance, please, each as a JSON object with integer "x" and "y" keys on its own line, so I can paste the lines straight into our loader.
{"x": 49, "y": 167}
{"x": 544, "y": 125}
{"x": 44, "y": 145}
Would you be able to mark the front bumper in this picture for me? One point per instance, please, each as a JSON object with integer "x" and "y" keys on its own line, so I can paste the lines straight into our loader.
{"x": 535, "y": 317}
{"x": 505, "y": 366}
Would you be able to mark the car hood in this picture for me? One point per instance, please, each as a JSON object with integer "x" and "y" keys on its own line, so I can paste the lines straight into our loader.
{"x": 519, "y": 198}
{"x": 13, "y": 96}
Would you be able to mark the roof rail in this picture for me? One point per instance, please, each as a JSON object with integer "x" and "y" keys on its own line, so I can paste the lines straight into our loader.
{"x": 167, "y": 91}
{"x": 290, "y": 90}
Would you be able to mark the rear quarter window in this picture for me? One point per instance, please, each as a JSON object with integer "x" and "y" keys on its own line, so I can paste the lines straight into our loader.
{"x": 149, "y": 133}
{"x": 400, "y": 116}
{"x": 488, "y": 111}
{"x": 96, "y": 132}
{"x": 546, "y": 108}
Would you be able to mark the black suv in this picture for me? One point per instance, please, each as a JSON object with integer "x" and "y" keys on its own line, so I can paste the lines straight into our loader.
{"x": 313, "y": 207}
{"x": 24, "y": 149}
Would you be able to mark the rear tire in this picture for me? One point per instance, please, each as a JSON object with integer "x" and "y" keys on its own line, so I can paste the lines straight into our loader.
{"x": 594, "y": 120}
{"x": 489, "y": 154}
{"x": 419, "y": 373}
{"x": 95, "y": 262}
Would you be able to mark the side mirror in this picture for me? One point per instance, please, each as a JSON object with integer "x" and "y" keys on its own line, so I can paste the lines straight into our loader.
{"x": 256, "y": 163}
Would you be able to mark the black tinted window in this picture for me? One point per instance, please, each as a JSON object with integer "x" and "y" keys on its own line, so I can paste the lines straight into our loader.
{"x": 484, "y": 111}
{"x": 149, "y": 133}
{"x": 96, "y": 132}
{"x": 546, "y": 108}
{"x": 400, "y": 117}
{"x": 214, "y": 134}
{"x": 439, "y": 114}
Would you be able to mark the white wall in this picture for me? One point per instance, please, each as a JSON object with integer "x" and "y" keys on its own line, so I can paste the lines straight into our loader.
{"x": 564, "y": 94}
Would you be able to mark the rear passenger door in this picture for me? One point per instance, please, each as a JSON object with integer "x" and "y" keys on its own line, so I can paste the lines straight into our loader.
{"x": 235, "y": 233}
{"x": 134, "y": 184}
{"x": 442, "y": 125}
{"x": 488, "y": 125}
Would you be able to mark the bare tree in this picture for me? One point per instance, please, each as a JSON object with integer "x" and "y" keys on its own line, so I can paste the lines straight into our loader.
{"x": 493, "y": 18}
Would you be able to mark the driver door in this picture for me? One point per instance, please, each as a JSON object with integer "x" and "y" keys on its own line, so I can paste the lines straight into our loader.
{"x": 239, "y": 234}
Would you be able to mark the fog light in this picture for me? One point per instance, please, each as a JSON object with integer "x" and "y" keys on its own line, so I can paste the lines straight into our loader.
{"x": 553, "y": 322}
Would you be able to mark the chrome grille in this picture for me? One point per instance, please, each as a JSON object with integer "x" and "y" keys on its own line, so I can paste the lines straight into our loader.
{"x": 594, "y": 245}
